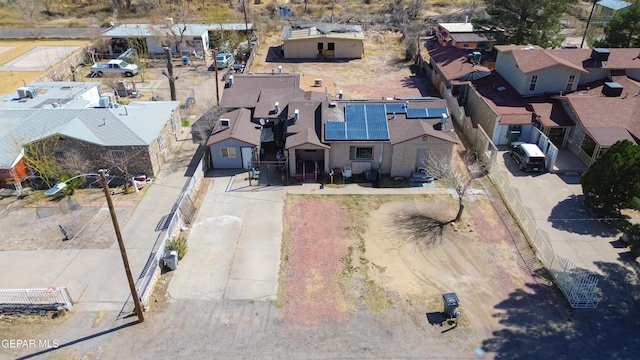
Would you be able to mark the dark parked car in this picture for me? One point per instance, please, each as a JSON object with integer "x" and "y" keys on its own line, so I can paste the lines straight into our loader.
{"x": 528, "y": 156}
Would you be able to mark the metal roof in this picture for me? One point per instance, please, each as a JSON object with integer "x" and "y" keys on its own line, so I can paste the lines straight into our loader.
{"x": 48, "y": 93}
{"x": 151, "y": 30}
{"x": 137, "y": 124}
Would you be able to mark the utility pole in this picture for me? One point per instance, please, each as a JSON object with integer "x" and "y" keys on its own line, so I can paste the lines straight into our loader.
{"x": 246, "y": 25}
{"x": 215, "y": 66}
{"x": 123, "y": 251}
{"x": 169, "y": 74}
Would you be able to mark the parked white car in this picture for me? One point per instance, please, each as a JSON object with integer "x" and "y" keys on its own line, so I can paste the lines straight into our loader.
{"x": 120, "y": 67}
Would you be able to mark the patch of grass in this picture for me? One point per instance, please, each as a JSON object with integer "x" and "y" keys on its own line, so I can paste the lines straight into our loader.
{"x": 185, "y": 123}
{"x": 375, "y": 297}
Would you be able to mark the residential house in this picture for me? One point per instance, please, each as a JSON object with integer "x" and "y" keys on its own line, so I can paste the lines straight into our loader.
{"x": 461, "y": 35}
{"x": 323, "y": 41}
{"x": 235, "y": 141}
{"x": 532, "y": 87}
{"x": 185, "y": 38}
{"x": 69, "y": 118}
{"x": 315, "y": 133}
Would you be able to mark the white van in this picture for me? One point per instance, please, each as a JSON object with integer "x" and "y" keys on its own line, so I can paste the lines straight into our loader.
{"x": 528, "y": 156}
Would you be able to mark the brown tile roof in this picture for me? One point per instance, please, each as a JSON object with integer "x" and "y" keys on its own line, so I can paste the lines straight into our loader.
{"x": 618, "y": 58}
{"x": 536, "y": 59}
{"x": 597, "y": 113}
{"x": 307, "y": 128}
{"x": 402, "y": 129}
{"x": 453, "y": 63}
{"x": 507, "y": 103}
{"x": 579, "y": 59}
{"x": 552, "y": 114}
{"x": 246, "y": 89}
{"x": 241, "y": 128}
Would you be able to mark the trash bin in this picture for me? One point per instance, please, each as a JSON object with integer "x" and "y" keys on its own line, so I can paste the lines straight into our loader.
{"x": 451, "y": 304}
{"x": 185, "y": 60}
{"x": 170, "y": 259}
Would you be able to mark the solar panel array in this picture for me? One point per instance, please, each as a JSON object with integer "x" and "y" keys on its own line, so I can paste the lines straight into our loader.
{"x": 369, "y": 122}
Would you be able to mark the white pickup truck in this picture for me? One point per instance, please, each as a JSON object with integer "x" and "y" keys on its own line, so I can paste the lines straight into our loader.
{"x": 115, "y": 67}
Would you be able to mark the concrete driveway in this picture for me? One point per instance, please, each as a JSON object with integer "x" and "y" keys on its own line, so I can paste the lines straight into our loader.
{"x": 234, "y": 245}
{"x": 556, "y": 202}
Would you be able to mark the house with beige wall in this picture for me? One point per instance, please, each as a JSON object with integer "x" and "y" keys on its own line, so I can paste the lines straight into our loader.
{"x": 324, "y": 41}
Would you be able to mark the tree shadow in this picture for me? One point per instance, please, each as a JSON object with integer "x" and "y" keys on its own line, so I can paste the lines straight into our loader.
{"x": 418, "y": 228}
{"x": 539, "y": 323}
{"x": 572, "y": 215}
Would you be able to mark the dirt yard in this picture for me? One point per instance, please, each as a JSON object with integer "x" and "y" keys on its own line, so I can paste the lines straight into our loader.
{"x": 382, "y": 72}
{"x": 347, "y": 254}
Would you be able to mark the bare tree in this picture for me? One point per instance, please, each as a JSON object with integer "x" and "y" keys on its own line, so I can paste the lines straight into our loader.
{"x": 169, "y": 74}
{"x": 29, "y": 9}
{"x": 458, "y": 176}
{"x": 40, "y": 158}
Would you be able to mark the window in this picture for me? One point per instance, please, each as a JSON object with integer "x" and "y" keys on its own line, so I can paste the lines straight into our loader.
{"x": 331, "y": 46}
{"x": 228, "y": 152}
{"x": 361, "y": 153}
{"x": 118, "y": 157}
{"x": 572, "y": 78}
{"x": 465, "y": 45}
{"x": 320, "y": 46}
{"x": 534, "y": 81}
{"x": 161, "y": 143}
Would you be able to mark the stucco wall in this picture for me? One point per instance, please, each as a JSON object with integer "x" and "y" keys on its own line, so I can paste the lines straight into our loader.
{"x": 481, "y": 113}
{"x": 405, "y": 154}
{"x": 593, "y": 75}
{"x": 506, "y": 66}
{"x": 340, "y": 152}
{"x": 308, "y": 48}
{"x": 553, "y": 79}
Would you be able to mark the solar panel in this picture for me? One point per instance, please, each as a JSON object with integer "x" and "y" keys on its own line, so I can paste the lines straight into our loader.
{"x": 335, "y": 130}
{"x": 374, "y": 109}
{"x": 436, "y": 112}
{"x": 417, "y": 113}
{"x": 353, "y": 109}
{"x": 356, "y": 131}
{"x": 356, "y": 117}
{"x": 376, "y": 118}
{"x": 394, "y": 108}
{"x": 378, "y": 134}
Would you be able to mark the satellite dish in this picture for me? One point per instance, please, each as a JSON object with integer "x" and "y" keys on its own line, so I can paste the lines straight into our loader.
{"x": 263, "y": 122}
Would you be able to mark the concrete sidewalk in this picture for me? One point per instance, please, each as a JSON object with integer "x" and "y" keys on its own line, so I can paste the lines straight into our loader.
{"x": 141, "y": 233}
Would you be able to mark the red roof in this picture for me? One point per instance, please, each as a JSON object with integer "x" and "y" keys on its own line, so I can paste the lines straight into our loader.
{"x": 453, "y": 63}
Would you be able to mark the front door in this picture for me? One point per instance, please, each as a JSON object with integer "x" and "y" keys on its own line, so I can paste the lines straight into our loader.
{"x": 247, "y": 157}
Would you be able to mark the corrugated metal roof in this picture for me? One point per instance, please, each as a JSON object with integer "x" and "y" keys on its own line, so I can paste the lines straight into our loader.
{"x": 151, "y": 30}
{"x": 137, "y": 124}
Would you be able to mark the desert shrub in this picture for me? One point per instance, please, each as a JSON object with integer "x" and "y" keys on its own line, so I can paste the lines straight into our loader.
{"x": 179, "y": 244}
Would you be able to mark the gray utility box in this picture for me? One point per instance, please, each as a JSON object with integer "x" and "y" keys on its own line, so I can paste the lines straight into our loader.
{"x": 170, "y": 259}
{"x": 451, "y": 304}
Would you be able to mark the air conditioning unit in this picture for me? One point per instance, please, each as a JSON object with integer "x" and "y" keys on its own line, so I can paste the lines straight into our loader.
{"x": 317, "y": 82}
{"x": 22, "y": 92}
{"x": 104, "y": 102}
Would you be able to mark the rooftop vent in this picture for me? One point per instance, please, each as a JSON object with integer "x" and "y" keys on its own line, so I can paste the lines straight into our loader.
{"x": 599, "y": 54}
{"x": 277, "y": 107}
{"x": 317, "y": 82}
{"x": 25, "y": 92}
{"x": 296, "y": 115}
{"x": 612, "y": 89}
